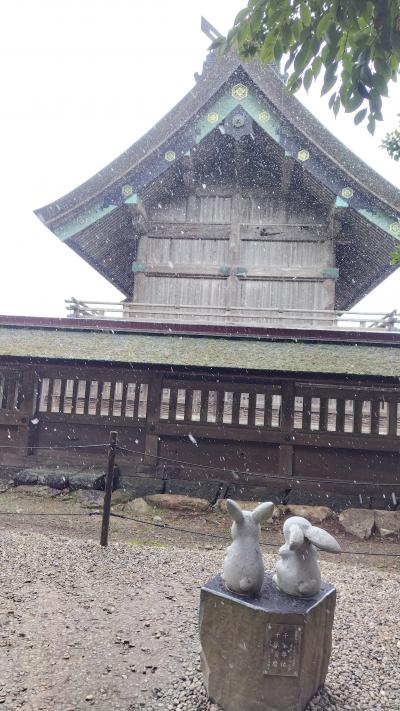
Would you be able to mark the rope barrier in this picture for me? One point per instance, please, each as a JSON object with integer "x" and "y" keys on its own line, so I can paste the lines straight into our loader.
{"x": 238, "y": 473}
{"x": 45, "y": 513}
{"x": 168, "y": 526}
{"x": 113, "y": 447}
{"x": 234, "y": 472}
{"x": 70, "y": 446}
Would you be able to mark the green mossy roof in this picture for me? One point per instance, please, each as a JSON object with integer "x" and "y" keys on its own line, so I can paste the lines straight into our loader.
{"x": 196, "y": 351}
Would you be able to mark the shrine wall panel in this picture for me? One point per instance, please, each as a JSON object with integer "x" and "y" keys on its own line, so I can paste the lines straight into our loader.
{"x": 285, "y": 294}
{"x": 286, "y": 254}
{"x": 185, "y": 290}
{"x": 169, "y": 252}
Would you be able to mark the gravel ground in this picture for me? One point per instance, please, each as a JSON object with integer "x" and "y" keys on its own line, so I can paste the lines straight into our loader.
{"x": 82, "y": 627}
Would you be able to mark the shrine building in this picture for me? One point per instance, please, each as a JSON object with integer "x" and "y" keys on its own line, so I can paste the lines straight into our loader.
{"x": 240, "y": 232}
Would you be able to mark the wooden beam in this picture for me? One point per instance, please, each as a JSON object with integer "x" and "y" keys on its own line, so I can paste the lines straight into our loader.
{"x": 243, "y": 433}
{"x": 284, "y": 233}
{"x": 200, "y": 270}
{"x": 152, "y": 419}
{"x": 188, "y": 173}
{"x": 288, "y": 167}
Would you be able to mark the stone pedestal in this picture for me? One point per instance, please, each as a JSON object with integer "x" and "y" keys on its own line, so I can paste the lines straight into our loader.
{"x": 266, "y": 653}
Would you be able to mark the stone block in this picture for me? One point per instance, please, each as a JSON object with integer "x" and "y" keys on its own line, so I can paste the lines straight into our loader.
{"x": 358, "y": 522}
{"x": 88, "y": 479}
{"x": 141, "y": 484}
{"x": 26, "y": 476}
{"x": 267, "y": 653}
{"x": 387, "y": 523}
{"x": 315, "y": 514}
{"x": 176, "y": 502}
{"x": 204, "y": 490}
{"x": 56, "y": 480}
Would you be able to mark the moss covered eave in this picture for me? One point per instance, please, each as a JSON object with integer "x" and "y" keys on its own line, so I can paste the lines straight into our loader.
{"x": 215, "y": 354}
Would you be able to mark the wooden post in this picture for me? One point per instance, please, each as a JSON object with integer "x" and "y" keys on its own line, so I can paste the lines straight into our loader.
{"x": 152, "y": 420}
{"x": 286, "y": 451}
{"x": 108, "y": 489}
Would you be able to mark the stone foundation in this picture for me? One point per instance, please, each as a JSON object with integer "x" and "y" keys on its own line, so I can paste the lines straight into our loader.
{"x": 267, "y": 653}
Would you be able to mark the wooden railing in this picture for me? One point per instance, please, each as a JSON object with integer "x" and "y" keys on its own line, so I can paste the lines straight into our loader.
{"x": 235, "y": 315}
{"x": 312, "y": 407}
{"x": 283, "y": 426}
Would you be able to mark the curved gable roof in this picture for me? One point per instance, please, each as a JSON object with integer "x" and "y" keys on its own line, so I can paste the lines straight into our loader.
{"x": 95, "y": 204}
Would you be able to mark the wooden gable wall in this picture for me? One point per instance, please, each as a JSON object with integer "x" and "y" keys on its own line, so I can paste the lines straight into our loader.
{"x": 243, "y": 234}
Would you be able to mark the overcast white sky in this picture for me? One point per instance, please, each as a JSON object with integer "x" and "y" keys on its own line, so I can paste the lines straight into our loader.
{"x": 81, "y": 81}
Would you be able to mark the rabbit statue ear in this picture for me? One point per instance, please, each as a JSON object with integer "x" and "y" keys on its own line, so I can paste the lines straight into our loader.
{"x": 234, "y": 511}
{"x": 296, "y": 537}
{"x": 322, "y": 539}
{"x": 264, "y": 510}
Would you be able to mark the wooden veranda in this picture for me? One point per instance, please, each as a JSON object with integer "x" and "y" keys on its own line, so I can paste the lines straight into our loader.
{"x": 320, "y": 434}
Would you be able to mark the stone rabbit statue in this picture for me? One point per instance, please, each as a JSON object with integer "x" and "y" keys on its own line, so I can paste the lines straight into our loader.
{"x": 243, "y": 566}
{"x": 297, "y": 570}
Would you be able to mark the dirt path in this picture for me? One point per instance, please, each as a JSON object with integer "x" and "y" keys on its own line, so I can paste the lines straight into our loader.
{"x": 82, "y": 627}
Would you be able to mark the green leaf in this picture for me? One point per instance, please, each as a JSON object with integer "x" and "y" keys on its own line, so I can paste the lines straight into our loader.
{"x": 241, "y": 16}
{"x": 243, "y": 34}
{"x": 307, "y": 80}
{"x": 353, "y": 103}
{"x": 266, "y": 52}
{"x": 289, "y": 61}
{"x": 396, "y": 40}
{"x": 294, "y": 83}
{"x": 323, "y": 24}
{"x": 366, "y": 75}
{"x": 395, "y": 257}
{"x": 332, "y": 100}
{"x": 336, "y": 106}
{"x": 362, "y": 89}
{"x": 303, "y": 57}
{"x": 371, "y": 125}
{"x": 278, "y": 51}
{"x": 364, "y": 56}
{"x": 375, "y": 100}
{"x": 316, "y": 66}
{"x": 379, "y": 83}
{"x": 360, "y": 116}
{"x": 305, "y": 15}
{"x": 286, "y": 35}
{"x": 331, "y": 34}
{"x": 329, "y": 82}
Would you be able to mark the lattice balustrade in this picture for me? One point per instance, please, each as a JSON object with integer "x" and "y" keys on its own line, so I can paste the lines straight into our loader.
{"x": 93, "y": 397}
{"x": 11, "y": 396}
{"x": 315, "y": 408}
{"x": 212, "y": 404}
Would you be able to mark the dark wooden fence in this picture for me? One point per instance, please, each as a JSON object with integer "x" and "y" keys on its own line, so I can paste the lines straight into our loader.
{"x": 257, "y": 426}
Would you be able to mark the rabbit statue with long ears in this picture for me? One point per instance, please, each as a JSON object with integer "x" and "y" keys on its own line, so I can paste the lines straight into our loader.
{"x": 243, "y": 565}
{"x": 297, "y": 570}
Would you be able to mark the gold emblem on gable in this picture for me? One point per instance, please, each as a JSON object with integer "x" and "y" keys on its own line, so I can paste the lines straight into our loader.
{"x": 239, "y": 91}
{"x": 264, "y": 116}
{"x": 303, "y": 155}
{"x": 212, "y": 117}
{"x": 347, "y": 193}
{"x": 170, "y": 156}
